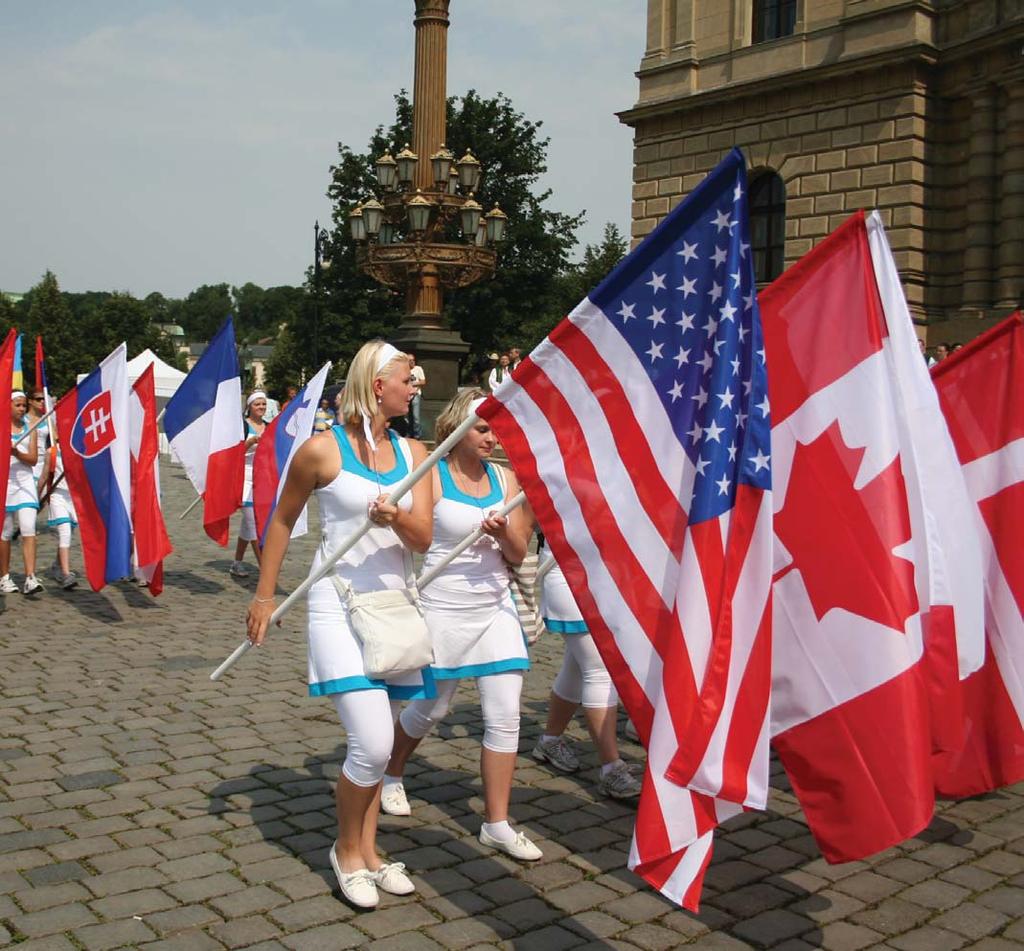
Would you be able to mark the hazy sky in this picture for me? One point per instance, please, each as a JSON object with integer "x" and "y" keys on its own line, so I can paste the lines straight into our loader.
{"x": 163, "y": 144}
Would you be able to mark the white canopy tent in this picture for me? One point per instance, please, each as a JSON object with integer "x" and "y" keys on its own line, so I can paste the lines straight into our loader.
{"x": 166, "y": 378}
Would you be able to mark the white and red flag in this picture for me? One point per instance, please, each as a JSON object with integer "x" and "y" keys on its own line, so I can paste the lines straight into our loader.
{"x": 981, "y": 389}
{"x": 876, "y": 615}
{"x": 639, "y": 430}
{"x": 151, "y": 542}
{"x": 203, "y": 423}
{"x": 6, "y": 388}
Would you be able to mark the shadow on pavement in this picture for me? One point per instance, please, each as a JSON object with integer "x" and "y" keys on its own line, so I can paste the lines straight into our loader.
{"x": 192, "y": 582}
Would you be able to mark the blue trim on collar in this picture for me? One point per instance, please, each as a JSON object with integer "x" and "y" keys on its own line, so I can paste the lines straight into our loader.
{"x": 452, "y": 492}
{"x": 350, "y": 462}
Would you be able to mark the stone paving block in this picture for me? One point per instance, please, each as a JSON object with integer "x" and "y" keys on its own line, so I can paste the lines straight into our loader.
{"x": 124, "y": 880}
{"x": 410, "y": 941}
{"x": 750, "y": 900}
{"x": 186, "y": 941}
{"x": 971, "y": 877}
{"x": 402, "y": 918}
{"x": 928, "y": 938}
{"x": 113, "y": 934}
{"x": 181, "y": 918}
{"x": 142, "y": 857}
{"x": 49, "y": 896}
{"x": 462, "y": 904}
{"x": 203, "y": 889}
{"x": 142, "y": 902}
{"x": 826, "y": 906}
{"x": 462, "y": 933}
{"x": 298, "y": 887}
{"x": 53, "y": 920}
{"x": 651, "y": 937}
{"x": 49, "y": 943}
{"x": 580, "y": 897}
{"x": 299, "y": 915}
{"x": 244, "y": 932}
{"x": 971, "y": 920}
{"x": 326, "y": 938}
{"x": 844, "y": 936}
{"x": 771, "y": 927}
{"x": 253, "y": 900}
{"x": 892, "y": 916}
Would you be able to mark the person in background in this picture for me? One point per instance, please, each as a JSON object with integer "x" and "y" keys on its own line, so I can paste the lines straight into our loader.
{"x": 255, "y": 424}
{"x": 419, "y": 380}
{"x": 324, "y": 418}
{"x": 941, "y": 352}
{"x": 63, "y": 520}
{"x": 514, "y": 358}
{"x": 499, "y": 374}
{"x": 22, "y": 500}
{"x": 291, "y": 392}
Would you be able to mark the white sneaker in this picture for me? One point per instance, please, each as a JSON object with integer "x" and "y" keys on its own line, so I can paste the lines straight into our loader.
{"x": 519, "y": 847}
{"x": 68, "y": 581}
{"x": 392, "y": 879}
{"x": 32, "y": 585}
{"x": 393, "y": 800}
{"x": 238, "y": 569}
{"x": 7, "y": 586}
{"x": 358, "y": 887}
{"x": 558, "y": 753}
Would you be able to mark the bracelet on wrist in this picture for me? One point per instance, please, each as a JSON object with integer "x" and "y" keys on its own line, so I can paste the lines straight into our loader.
{"x": 263, "y": 600}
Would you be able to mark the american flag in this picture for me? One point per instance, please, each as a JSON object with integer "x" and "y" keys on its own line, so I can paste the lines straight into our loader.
{"x": 640, "y": 431}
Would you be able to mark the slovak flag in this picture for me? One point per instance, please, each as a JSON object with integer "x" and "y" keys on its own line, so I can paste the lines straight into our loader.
{"x": 281, "y": 440}
{"x": 95, "y": 433}
{"x": 151, "y": 542}
{"x": 203, "y": 423}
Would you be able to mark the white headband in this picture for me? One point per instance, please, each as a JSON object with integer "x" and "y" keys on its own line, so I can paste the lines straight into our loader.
{"x": 17, "y": 395}
{"x": 255, "y": 395}
{"x": 386, "y": 354}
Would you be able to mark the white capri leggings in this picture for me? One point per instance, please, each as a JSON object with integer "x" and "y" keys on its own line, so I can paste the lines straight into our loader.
{"x": 499, "y": 701}
{"x": 368, "y": 717}
{"x": 25, "y": 519}
{"x": 584, "y": 677}
{"x": 247, "y": 529}
{"x": 63, "y": 535}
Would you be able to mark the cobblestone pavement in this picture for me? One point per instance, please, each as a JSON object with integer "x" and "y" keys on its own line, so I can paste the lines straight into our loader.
{"x": 142, "y": 805}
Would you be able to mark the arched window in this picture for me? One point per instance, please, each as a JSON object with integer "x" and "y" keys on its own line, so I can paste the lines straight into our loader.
{"x": 772, "y": 19}
{"x": 768, "y": 226}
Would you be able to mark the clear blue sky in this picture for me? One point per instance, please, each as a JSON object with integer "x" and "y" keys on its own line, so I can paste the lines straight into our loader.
{"x": 171, "y": 143}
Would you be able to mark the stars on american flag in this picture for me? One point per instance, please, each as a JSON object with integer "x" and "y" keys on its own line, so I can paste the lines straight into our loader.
{"x": 691, "y": 318}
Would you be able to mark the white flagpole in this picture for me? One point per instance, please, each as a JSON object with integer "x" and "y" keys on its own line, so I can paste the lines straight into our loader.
{"x": 549, "y": 563}
{"x": 195, "y": 502}
{"x": 328, "y": 565}
{"x": 42, "y": 419}
{"x": 428, "y": 576}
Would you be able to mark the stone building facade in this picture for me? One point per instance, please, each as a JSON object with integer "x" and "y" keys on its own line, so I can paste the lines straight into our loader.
{"x": 914, "y": 107}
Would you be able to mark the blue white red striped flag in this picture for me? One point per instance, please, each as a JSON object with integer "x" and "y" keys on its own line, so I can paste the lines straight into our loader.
{"x": 203, "y": 423}
{"x": 640, "y": 432}
{"x": 285, "y": 433}
{"x": 93, "y": 421}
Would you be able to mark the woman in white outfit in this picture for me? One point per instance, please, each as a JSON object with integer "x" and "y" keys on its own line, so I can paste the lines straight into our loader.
{"x": 472, "y": 620}
{"x": 351, "y": 469}
{"x": 255, "y": 410}
{"x": 583, "y": 679}
{"x": 62, "y": 519}
{"x": 22, "y": 500}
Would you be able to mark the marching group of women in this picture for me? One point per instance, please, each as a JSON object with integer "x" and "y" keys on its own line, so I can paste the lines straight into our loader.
{"x": 468, "y": 607}
{"x": 35, "y": 480}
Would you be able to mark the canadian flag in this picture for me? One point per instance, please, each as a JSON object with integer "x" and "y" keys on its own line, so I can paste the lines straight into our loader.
{"x": 876, "y": 617}
{"x": 981, "y": 389}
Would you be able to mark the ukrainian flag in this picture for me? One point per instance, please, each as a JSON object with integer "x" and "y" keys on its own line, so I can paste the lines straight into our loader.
{"x": 18, "y": 377}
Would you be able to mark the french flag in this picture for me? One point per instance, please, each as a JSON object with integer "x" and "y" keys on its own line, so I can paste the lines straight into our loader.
{"x": 203, "y": 423}
{"x": 93, "y": 422}
{"x": 285, "y": 433}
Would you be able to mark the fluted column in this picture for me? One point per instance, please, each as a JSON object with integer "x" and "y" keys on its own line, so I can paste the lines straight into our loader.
{"x": 979, "y": 264}
{"x": 429, "y": 97}
{"x": 1010, "y": 251}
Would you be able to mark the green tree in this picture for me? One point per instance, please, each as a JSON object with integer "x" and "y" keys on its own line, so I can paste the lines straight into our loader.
{"x": 63, "y": 337}
{"x": 491, "y": 314}
{"x": 8, "y": 316}
{"x": 204, "y": 310}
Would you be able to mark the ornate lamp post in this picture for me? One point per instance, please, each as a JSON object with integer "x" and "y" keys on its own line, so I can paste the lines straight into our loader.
{"x": 321, "y": 261}
{"x": 425, "y": 232}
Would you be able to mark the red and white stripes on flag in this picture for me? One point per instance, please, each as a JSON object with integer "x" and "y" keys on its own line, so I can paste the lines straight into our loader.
{"x": 641, "y": 441}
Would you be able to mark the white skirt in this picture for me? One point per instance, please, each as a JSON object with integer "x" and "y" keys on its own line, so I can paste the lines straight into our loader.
{"x": 473, "y": 639}
{"x": 62, "y": 509}
{"x": 336, "y": 659}
{"x": 558, "y": 607}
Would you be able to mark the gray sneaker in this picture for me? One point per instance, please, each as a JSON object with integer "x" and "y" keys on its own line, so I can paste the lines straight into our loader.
{"x": 619, "y": 783}
{"x": 558, "y": 753}
{"x": 68, "y": 581}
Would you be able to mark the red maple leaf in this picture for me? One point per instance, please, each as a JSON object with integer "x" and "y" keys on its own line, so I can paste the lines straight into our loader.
{"x": 842, "y": 539}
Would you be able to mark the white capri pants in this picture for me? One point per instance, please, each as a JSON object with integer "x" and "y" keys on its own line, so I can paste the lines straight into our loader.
{"x": 25, "y": 519}
{"x": 499, "y": 701}
{"x": 584, "y": 677}
{"x": 247, "y": 529}
{"x": 368, "y": 717}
